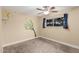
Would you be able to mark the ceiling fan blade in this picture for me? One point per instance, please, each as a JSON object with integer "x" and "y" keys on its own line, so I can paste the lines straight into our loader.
{"x": 39, "y": 9}
{"x": 52, "y": 8}
{"x": 45, "y": 6}
{"x": 54, "y": 11}
{"x": 40, "y": 13}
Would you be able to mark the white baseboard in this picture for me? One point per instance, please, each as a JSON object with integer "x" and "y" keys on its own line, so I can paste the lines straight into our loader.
{"x": 67, "y": 44}
{"x": 16, "y": 42}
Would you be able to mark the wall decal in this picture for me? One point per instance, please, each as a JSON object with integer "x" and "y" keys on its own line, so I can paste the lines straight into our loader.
{"x": 29, "y": 26}
{"x": 5, "y": 16}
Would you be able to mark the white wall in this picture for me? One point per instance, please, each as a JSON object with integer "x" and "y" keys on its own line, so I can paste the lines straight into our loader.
{"x": 70, "y": 36}
{"x": 14, "y": 28}
{"x": 1, "y": 33}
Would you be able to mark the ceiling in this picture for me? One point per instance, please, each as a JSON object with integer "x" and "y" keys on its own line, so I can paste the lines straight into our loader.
{"x": 31, "y": 10}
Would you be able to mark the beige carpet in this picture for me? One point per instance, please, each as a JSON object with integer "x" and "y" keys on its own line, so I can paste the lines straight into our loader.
{"x": 39, "y": 45}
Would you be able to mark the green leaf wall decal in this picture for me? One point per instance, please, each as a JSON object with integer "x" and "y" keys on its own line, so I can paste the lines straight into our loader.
{"x": 29, "y": 26}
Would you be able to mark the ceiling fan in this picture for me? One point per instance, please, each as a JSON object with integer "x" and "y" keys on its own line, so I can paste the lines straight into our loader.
{"x": 46, "y": 10}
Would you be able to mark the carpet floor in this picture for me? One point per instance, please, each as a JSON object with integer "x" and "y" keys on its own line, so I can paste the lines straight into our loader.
{"x": 39, "y": 45}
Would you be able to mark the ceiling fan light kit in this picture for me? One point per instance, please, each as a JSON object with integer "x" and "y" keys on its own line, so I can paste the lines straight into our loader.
{"x": 46, "y": 12}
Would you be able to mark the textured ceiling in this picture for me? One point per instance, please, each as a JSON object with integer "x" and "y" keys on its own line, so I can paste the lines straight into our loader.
{"x": 31, "y": 10}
